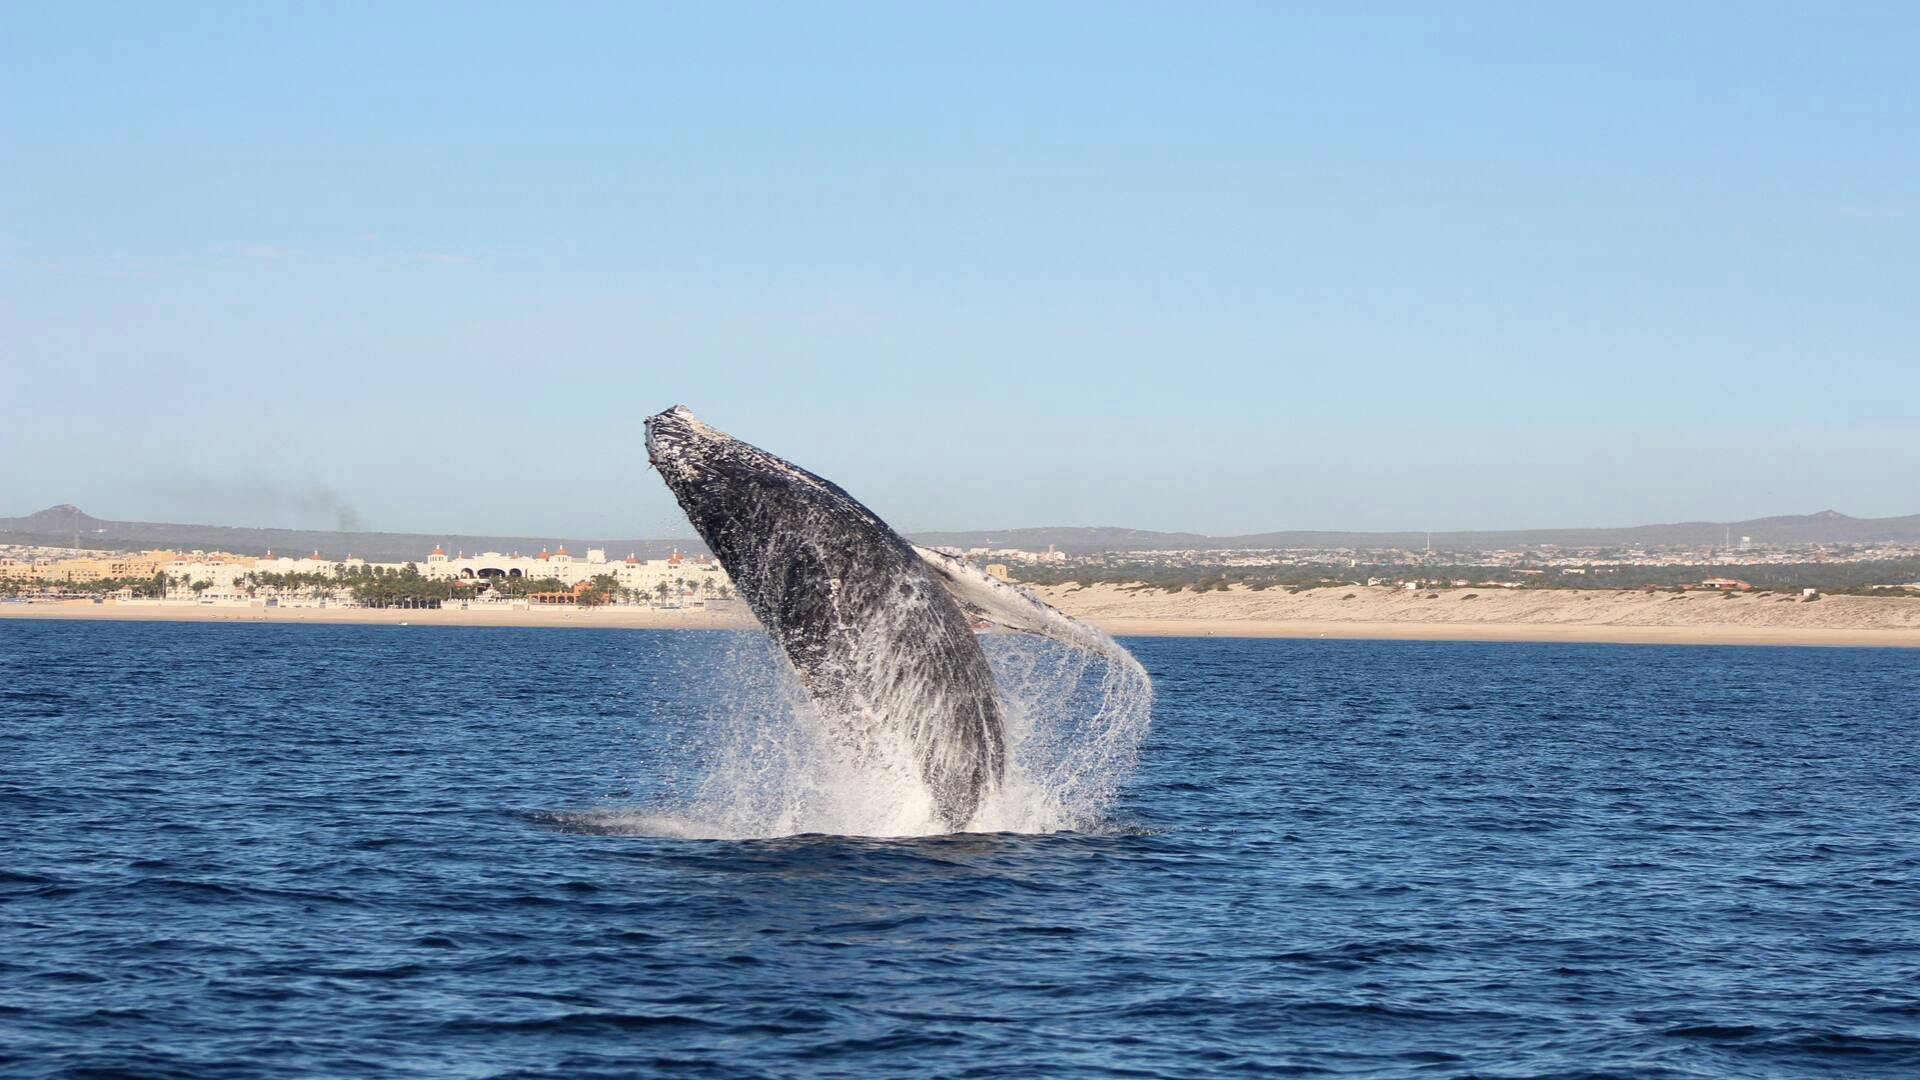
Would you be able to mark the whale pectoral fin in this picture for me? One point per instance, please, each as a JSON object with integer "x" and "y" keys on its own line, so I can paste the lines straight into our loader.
{"x": 983, "y": 596}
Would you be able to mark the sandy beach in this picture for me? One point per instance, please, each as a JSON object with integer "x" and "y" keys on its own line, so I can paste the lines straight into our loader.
{"x": 1353, "y": 612}
{"x": 1698, "y": 618}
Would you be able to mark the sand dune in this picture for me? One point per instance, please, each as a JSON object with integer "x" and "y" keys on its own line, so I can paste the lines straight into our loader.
{"x": 1500, "y": 614}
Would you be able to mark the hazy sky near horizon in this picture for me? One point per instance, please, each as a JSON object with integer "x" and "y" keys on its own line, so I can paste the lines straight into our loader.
{"x": 1225, "y": 268}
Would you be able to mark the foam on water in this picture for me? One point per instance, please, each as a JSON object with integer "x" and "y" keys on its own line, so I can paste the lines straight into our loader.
{"x": 767, "y": 762}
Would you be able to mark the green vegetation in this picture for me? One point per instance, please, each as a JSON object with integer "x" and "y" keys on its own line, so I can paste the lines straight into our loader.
{"x": 523, "y": 587}
{"x": 144, "y": 587}
{"x": 1828, "y": 577}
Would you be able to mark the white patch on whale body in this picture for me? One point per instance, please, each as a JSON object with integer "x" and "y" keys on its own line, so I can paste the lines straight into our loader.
{"x": 1002, "y": 603}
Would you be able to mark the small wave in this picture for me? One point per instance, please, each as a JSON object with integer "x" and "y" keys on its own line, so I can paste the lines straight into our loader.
{"x": 396, "y": 971}
{"x": 1712, "y": 1031}
{"x": 16, "y": 877}
{"x": 635, "y": 822}
{"x": 577, "y": 1022}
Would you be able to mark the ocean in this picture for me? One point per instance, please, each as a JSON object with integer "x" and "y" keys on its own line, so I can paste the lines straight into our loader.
{"x": 310, "y": 850}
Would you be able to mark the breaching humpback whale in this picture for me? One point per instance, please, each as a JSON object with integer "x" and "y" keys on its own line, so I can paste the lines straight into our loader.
{"x": 873, "y": 626}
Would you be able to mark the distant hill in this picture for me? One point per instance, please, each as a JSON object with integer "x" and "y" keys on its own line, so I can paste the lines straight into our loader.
{"x": 1827, "y": 526}
{"x": 71, "y": 526}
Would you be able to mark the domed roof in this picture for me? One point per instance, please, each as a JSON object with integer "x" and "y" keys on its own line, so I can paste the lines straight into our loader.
{"x": 631, "y": 560}
{"x": 438, "y": 550}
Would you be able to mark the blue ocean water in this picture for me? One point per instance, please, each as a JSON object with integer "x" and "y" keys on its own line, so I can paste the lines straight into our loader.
{"x": 359, "y": 851}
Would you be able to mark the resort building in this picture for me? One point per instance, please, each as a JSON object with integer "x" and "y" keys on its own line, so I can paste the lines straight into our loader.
{"x": 314, "y": 563}
{"x": 681, "y": 574}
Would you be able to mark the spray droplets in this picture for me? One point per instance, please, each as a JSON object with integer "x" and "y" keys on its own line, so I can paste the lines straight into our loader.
{"x": 762, "y": 760}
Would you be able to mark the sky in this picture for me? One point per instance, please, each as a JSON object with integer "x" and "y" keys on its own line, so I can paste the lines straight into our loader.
{"x": 1220, "y": 268}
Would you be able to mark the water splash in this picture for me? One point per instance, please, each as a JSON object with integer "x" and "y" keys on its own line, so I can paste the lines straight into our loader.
{"x": 1075, "y": 721}
{"x": 764, "y": 761}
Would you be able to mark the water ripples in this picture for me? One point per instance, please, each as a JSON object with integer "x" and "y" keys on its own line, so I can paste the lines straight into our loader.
{"x": 372, "y": 852}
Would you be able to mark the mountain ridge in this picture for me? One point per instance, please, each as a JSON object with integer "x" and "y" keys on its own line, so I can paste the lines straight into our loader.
{"x": 1825, "y": 526}
{"x": 68, "y": 525}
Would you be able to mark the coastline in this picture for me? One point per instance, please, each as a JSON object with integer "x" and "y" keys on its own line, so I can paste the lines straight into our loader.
{"x": 554, "y": 615}
{"x": 1358, "y": 613}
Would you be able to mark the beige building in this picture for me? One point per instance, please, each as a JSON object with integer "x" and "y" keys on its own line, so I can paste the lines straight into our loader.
{"x": 105, "y": 564}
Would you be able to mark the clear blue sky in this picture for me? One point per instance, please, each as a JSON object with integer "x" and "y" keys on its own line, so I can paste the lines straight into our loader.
{"x": 1214, "y": 267}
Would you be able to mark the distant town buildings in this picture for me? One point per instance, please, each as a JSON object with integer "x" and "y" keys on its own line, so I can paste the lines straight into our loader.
{"x": 561, "y": 565}
{"x": 1012, "y": 554}
{"x": 215, "y": 577}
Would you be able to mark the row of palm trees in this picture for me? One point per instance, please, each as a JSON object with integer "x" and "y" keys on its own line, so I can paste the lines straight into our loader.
{"x": 605, "y": 589}
{"x": 662, "y": 592}
{"x": 156, "y": 586}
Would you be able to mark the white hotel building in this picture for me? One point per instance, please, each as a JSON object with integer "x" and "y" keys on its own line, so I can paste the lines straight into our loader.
{"x": 630, "y": 573}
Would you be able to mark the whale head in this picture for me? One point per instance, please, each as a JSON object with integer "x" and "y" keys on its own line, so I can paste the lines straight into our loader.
{"x": 677, "y": 440}
{"x": 718, "y": 478}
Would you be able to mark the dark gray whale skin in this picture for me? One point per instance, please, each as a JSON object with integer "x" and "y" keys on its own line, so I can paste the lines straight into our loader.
{"x": 877, "y": 642}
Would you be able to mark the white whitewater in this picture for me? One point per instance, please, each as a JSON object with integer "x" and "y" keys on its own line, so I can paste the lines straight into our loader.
{"x": 769, "y": 764}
